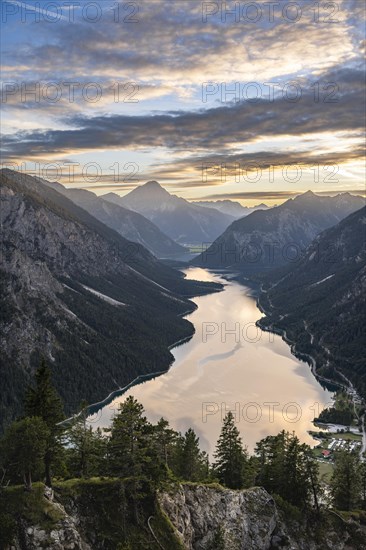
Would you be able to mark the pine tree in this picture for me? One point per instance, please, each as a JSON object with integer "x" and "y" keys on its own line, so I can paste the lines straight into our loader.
{"x": 218, "y": 540}
{"x": 231, "y": 458}
{"x": 166, "y": 439}
{"x": 287, "y": 467}
{"x": 24, "y": 446}
{"x": 346, "y": 481}
{"x": 86, "y": 447}
{"x": 191, "y": 461}
{"x": 43, "y": 401}
{"x": 131, "y": 450}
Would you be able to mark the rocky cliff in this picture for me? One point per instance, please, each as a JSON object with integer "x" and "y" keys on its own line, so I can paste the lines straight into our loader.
{"x": 95, "y": 514}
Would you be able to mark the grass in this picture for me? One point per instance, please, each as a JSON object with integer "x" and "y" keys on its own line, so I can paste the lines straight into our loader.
{"x": 325, "y": 471}
{"x": 33, "y": 506}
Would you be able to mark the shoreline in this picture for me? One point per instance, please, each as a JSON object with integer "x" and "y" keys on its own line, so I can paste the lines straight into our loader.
{"x": 94, "y": 408}
{"x": 310, "y": 360}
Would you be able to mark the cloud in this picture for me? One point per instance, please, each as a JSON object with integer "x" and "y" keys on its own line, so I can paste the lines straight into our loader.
{"x": 224, "y": 128}
{"x": 151, "y": 51}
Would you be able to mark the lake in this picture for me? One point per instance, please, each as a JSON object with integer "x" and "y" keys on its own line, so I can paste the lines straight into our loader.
{"x": 230, "y": 364}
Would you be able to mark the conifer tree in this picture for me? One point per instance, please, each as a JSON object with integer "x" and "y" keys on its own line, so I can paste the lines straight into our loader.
{"x": 287, "y": 467}
{"x": 231, "y": 458}
{"x": 166, "y": 440}
{"x": 24, "y": 445}
{"x": 43, "y": 401}
{"x": 86, "y": 447}
{"x": 346, "y": 481}
{"x": 132, "y": 451}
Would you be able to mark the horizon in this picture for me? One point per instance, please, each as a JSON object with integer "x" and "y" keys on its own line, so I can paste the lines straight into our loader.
{"x": 108, "y": 109}
{"x": 250, "y": 202}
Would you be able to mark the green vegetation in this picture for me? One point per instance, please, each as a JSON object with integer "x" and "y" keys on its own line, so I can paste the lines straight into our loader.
{"x": 327, "y": 320}
{"x": 43, "y": 401}
{"x": 343, "y": 411}
{"x": 231, "y": 460}
{"x": 113, "y": 477}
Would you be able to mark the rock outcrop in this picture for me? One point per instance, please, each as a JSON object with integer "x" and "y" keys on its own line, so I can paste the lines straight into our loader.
{"x": 97, "y": 515}
{"x": 251, "y": 520}
{"x": 248, "y": 519}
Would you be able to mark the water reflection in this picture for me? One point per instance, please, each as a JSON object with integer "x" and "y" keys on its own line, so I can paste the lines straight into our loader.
{"x": 230, "y": 364}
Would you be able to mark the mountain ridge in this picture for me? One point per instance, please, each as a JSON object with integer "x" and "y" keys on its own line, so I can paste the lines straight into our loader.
{"x": 266, "y": 239}
{"x": 101, "y": 309}
{"x": 184, "y": 222}
{"x": 131, "y": 225}
{"x": 232, "y": 208}
{"x": 319, "y": 302}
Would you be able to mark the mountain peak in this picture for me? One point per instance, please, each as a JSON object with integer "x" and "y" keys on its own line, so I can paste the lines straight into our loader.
{"x": 152, "y": 183}
{"x": 308, "y": 195}
{"x": 151, "y": 189}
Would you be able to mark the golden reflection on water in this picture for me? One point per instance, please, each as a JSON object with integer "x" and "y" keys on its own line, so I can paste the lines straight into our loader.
{"x": 230, "y": 364}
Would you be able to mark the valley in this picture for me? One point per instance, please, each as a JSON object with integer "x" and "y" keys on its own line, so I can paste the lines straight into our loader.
{"x": 229, "y": 364}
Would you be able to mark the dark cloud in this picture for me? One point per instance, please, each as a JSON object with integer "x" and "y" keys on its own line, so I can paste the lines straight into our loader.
{"x": 213, "y": 129}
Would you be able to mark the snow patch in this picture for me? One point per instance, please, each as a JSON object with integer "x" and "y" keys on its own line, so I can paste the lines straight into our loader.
{"x": 323, "y": 280}
{"x": 103, "y": 296}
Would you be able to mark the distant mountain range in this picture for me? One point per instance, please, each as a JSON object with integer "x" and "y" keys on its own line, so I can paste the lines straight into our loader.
{"x": 269, "y": 238}
{"x": 101, "y": 309}
{"x": 320, "y": 301}
{"x": 129, "y": 224}
{"x": 184, "y": 222}
{"x": 231, "y": 208}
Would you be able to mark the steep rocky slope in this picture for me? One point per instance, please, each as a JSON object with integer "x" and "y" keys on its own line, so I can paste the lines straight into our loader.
{"x": 320, "y": 301}
{"x": 183, "y": 221}
{"x": 101, "y": 309}
{"x": 269, "y": 238}
{"x": 129, "y": 224}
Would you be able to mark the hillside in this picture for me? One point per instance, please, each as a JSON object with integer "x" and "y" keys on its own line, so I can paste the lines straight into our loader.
{"x": 320, "y": 302}
{"x": 270, "y": 238}
{"x": 101, "y": 309}
{"x": 129, "y": 224}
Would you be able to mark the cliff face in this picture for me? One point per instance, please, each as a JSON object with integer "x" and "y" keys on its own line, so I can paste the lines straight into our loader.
{"x": 97, "y": 515}
{"x": 248, "y": 519}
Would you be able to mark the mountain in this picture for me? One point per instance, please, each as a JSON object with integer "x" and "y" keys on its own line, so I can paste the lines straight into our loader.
{"x": 269, "y": 238}
{"x": 129, "y": 224}
{"x": 184, "y": 222}
{"x": 232, "y": 208}
{"x": 320, "y": 302}
{"x": 101, "y": 309}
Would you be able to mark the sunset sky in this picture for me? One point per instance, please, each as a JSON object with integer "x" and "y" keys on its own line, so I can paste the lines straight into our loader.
{"x": 256, "y": 105}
